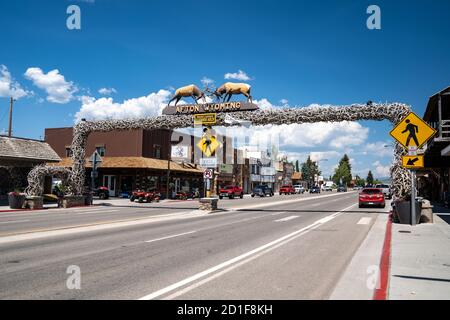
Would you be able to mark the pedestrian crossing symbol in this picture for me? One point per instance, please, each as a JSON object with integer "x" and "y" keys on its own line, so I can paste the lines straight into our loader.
{"x": 412, "y": 131}
{"x": 208, "y": 143}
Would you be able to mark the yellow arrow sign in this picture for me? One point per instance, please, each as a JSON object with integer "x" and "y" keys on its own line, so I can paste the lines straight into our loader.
{"x": 412, "y": 131}
{"x": 412, "y": 162}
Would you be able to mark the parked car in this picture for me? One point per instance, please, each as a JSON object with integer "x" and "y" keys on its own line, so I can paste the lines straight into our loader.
{"x": 371, "y": 197}
{"x": 101, "y": 192}
{"x": 314, "y": 189}
{"x": 287, "y": 190}
{"x": 262, "y": 191}
{"x": 299, "y": 188}
{"x": 147, "y": 196}
{"x": 342, "y": 188}
{"x": 231, "y": 192}
{"x": 326, "y": 188}
{"x": 385, "y": 189}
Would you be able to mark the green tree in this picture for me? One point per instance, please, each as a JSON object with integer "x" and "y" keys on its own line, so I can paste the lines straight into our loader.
{"x": 343, "y": 173}
{"x": 369, "y": 179}
{"x": 309, "y": 170}
{"x": 359, "y": 181}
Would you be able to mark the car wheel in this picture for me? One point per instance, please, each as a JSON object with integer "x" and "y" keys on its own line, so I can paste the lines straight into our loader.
{"x": 141, "y": 199}
{"x": 231, "y": 196}
{"x": 220, "y": 197}
{"x": 241, "y": 196}
{"x": 253, "y": 195}
{"x": 132, "y": 199}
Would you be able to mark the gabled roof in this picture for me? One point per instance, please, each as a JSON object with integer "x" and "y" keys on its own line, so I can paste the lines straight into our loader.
{"x": 26, "y": 149}
{"x": 433, "y": 103}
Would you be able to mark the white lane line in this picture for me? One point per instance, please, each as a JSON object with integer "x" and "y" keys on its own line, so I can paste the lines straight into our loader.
{"x": 286, "y": 219}
{"x": 169, "y": 237}
{"x": 88, "y": 212}
{"x": 237, "y": 259}
{"x": 365, "y": 220}
{"x": 278, "y": 213}
{"x": 316, "y": 204}
{"x": 14, "y": 221}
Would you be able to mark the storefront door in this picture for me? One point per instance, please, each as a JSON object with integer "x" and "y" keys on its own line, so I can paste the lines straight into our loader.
{"x": 110, "y": 183}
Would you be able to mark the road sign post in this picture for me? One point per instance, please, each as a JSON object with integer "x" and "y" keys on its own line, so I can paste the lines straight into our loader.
{"x": 95, "y": 159}
{"x": 413, "y": 198}
{"x": 412, "y": 133}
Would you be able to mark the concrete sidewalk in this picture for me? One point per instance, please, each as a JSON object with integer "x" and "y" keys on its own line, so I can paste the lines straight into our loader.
{"x": 420, "y": 260}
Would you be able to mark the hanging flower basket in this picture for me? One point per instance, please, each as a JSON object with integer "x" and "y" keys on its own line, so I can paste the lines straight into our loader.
{"x": 16, "y": 200}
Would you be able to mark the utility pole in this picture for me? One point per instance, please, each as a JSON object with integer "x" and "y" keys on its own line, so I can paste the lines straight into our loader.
{"x": 11, "y": 101}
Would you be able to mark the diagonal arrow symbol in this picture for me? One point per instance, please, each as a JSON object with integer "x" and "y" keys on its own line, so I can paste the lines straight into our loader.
{"x": 412, "y": 161}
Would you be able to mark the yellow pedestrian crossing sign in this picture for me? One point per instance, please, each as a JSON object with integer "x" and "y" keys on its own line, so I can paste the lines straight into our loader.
{"x": 208, "y": 143}
{"x": 412, "y": 162}
{"x": 412, "y": 131}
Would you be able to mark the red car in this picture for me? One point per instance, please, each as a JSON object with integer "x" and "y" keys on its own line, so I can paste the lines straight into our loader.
{"x": 231, "y": 192}
{"x": 371, "y": 197}
{"x": 287, "y": 190}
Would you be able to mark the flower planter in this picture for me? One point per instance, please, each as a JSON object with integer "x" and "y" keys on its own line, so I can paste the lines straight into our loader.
{"x": 403, "y": 211}
{"x": 16, "y": 200}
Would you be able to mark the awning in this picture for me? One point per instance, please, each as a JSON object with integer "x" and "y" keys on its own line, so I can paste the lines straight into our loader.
{"x": 133, "y": 163}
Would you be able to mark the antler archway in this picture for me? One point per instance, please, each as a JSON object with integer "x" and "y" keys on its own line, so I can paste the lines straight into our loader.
{"x": 393, "y": 112}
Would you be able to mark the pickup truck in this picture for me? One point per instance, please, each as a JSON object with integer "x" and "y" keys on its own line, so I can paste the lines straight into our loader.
{"x": 231, "y": 192}
{"x": 385, "y": 189}
{"x": 287, "y": 190}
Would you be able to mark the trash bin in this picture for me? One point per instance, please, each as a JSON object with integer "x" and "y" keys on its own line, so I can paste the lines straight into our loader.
{"x": 403, "y": 211}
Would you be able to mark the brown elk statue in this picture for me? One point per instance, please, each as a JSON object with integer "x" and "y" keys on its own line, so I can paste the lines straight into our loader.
{"x": 188, "y": 91}
{"x": 230, "y": 88}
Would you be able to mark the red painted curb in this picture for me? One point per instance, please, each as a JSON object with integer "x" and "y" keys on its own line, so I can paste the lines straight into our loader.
{"x": 381, "y": 293}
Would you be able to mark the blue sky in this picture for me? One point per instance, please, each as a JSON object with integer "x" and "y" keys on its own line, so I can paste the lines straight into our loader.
{"x": 304, "y": 52}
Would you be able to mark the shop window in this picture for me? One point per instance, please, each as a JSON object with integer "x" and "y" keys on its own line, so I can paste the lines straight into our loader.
{"x": 68, "y": 152}
{"x": 101, "y": 150}
{"x": 157, "y": 151}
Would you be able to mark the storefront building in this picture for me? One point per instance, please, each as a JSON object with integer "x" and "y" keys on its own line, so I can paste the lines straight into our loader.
{"x": 133, "y": 159}
{"x": 434, "y": 179}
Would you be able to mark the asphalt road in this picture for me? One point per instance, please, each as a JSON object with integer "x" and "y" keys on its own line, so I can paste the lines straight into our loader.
{"x": 289, "y": 247}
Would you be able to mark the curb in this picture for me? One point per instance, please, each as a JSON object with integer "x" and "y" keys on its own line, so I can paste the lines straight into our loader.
{"x": 381, "y": 293}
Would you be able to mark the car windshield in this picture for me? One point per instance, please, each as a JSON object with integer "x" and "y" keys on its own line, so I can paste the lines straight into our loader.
{"x": 371, "y": 191}
{"x": 382, "y": 186}
{"x": 286, "y": 186}
{"x": 228, "y": 187}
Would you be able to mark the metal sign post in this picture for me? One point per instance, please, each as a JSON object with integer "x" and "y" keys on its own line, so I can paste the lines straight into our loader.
{"x": 413, "y": 198}
{"x": 95, "y": 159}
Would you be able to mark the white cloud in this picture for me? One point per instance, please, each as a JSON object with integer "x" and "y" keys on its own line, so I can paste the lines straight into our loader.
{"x": 380, "y": 170}
{"x": 105, "y": 108}
{"x": 379, "y": 149}
{"x": 207, "y": 81}
{"x": 107, "y": 91}
{"x": 9, "y": 87}
{"x": 58, "y": 89}
{"x": 240, "y": 75}
{"x": 284, "y": 102}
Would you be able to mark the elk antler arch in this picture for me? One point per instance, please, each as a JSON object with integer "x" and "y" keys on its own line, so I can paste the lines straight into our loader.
{"x": 394, "y": 112}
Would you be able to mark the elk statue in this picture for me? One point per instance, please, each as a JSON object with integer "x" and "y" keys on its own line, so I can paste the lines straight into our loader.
{"x": 188, "y": 91}
{"x": 230, "y": 88}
